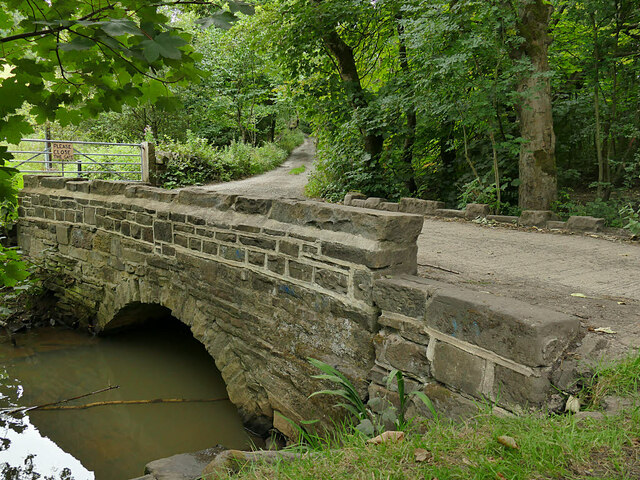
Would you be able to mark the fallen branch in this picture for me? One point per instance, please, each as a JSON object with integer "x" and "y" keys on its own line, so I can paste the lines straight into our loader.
{"x": 131, "y": 402}
{"x": 45, "y": 405}
{"x": 438, "y": 268}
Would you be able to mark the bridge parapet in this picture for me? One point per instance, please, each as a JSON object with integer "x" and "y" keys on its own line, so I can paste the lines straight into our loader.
{"x": 263, "y": 283}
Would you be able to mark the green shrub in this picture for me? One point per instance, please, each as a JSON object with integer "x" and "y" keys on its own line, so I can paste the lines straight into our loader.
{"x": 290, "y": 139}
{"x": 195, "y": 162}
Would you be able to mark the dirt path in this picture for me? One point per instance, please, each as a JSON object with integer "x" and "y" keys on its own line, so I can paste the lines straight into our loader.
{"x": 278, "y": 183}
{"x": 544, "y": 269}
{"x": 538, "y": 268}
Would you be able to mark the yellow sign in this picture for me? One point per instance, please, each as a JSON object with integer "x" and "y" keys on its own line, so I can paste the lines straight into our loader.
{"x": 61, "y": 151}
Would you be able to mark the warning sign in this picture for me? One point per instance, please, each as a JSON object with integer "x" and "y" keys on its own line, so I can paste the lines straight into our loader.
{"x": 62, "y": 151}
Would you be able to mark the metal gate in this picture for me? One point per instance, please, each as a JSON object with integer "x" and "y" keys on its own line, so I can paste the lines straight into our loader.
{"x": 79, "y": 159}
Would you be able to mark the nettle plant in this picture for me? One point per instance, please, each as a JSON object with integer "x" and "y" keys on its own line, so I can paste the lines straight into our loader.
{"x": 377, "y": 414}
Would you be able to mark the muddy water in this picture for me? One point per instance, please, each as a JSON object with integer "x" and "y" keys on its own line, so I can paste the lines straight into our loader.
{"x": 114, "y": 441}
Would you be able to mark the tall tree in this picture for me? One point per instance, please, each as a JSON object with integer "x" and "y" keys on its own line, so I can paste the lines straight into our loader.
{"x": 537, "y": 164}
{"x": 67, "y": 59}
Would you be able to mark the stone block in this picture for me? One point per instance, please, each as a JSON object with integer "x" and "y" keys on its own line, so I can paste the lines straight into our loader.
{"x": 276, "y": 264}
{"x": 263, "y": 243}
{"x": 256, "y": 258}
{"x": 353, "y": 196}
{"x": 513, "y": 388}
{"x": 106, "y": 187}
{"x": 389, "y": 207}
{"x": 449, "y": 213}
{"x": 300, "y": 271}
{"x": 331, "y": 280}
{"x": 162, "y": 231}
{"x": 80, "y": 187}
{"x": 536, "y": 218}
{"x": 363, "y": 285}
{"x": 373, "y": 202}
{"x": 413, "y": 205}
{"x": 195, "y": 244}
{"x": 357, "y": 202}
{"x": 528, "y": 334}
{"x": 401, "y": 260}
{"x": 448, "y": 404}
{"x": 556, "y": 225}
{"x": 180, "y": 239}
{"x": 475, "y": 210}
{"x": 503, "y": 218}
{"x": 226, "y": 237}
{"x": 210, "y": 247}
{"x": 199, "y": 197}
{"x": 232, "y": 253}
{"x": 405, "y": 294}
{"x": 90, "y": 215}
{"x": 53, "y": 182}
{"x": 369, "y": 224}
{"x": 253, "y": 206}
{"x": 402, "y": 354}
{"x": 62, "y": 234}
{"x": 585, "y": 224}
{"x": 288, "y": 248}
{"x": 458, "y": 369}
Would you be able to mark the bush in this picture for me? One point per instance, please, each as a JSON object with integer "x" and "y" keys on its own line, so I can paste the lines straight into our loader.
{"x": 195, "y": 162}
{"x": 290, "y": 139}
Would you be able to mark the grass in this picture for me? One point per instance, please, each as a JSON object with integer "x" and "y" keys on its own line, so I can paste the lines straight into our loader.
{"x": 297, "y": 170}
{"x": 549, "y": 446}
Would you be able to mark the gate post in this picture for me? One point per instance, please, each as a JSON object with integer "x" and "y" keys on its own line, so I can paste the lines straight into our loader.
{"x": 148, "y": 159}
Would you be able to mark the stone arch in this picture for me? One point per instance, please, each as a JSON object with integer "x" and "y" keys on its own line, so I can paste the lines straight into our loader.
{"x": 134, "y": 302}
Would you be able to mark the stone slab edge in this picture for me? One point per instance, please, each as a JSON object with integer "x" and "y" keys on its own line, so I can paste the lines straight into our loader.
{"x": 531, "y": 218}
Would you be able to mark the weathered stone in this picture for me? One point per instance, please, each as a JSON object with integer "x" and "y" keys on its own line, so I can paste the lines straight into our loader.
{"x": 513, "y": 388}
{"x": 195, "y": 196}
{"x": 300, "y": 271}
{"x": 288, "y": 248}
{"x": 358, "y": 202}
{"x": 530, "y": 335}
{"x": 256, "y": 258}
{"x": 372, "y": 224}
{"x": 401, "y": 354}
{"x": 105, "y": 187}
{"x": 252, "y": 205}
{"x": 162, "y": 231}
{"x": 373, "y": 202}
{"x": 185, "y": 466}
{"x": 536, "y": 218}
{"x": 363, "y": 285}
{"x": 353, "y": 196}
{"x": 332, "y": 280}
{"x": 263, "y": 243}
{"x": 585, "y": 224}
{"x": 475, "y": 210}
{"x": 81, "y": 186}
{"x": 276, "y": 264}
{"x": 389, "y": 207}
{"x": 450, "y": 213}
{"x": 459, "y": 369}
{"x": 556, "y": 225}
{"x": 406, "y": 295}
{"x": 62, "y": 234}
{"x": 419, "y": 206}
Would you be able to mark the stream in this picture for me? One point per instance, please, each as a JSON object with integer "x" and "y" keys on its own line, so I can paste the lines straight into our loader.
{"x": 109, "y": 442}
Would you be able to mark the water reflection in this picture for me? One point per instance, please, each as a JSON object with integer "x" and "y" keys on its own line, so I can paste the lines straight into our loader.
{"x": 114, "y": 441}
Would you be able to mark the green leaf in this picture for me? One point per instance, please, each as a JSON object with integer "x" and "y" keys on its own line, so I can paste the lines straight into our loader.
{"x": 77, "y": 44}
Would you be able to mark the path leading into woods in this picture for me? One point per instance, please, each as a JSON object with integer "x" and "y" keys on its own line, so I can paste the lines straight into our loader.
{"x": 536, "y": 267}
{"x": 277, "y": 183}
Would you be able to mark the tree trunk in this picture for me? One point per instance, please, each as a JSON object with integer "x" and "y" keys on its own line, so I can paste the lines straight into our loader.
{"x": 410, "y": 137}
{"x": 537, "y": 165}
{"x": 343, "y": 55}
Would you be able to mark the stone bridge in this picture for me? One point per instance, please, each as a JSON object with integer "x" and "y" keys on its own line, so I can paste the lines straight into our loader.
{"x": 265, "y": 284}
